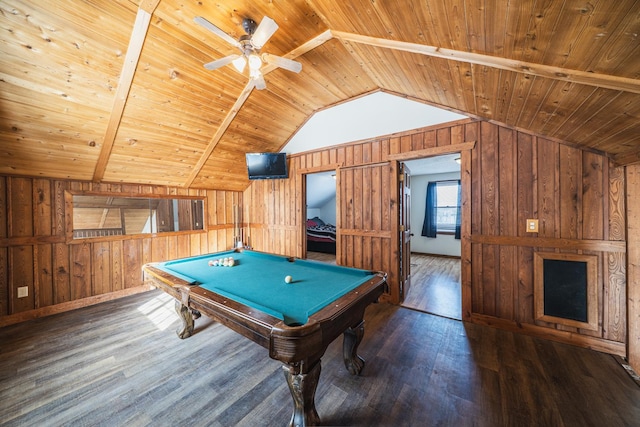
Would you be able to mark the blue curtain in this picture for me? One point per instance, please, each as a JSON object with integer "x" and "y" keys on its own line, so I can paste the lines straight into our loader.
{"x": 459, "y": 211}
{"x": 430, "y": 220}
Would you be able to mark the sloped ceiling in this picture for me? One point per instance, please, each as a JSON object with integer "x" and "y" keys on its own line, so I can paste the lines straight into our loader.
{"x": 115, "y": 90}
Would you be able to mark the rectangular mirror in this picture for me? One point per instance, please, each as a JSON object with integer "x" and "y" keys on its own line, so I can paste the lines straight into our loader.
{"x": 101, "y": 216}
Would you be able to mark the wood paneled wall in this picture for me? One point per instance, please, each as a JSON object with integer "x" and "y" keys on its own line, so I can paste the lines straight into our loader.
{"x": 633, "y": 264}
{"x": 367, "y": 227}
{"x": 34, "y": 252}
{"x": 508, "y": 176}
{"x": 578, "y": 198}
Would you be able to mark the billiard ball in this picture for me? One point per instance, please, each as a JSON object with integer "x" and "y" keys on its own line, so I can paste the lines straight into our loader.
{"x": 211, "y": 263}
{"x": 288, "y": 279}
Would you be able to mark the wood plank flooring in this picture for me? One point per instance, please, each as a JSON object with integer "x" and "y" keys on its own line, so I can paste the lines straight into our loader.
{"x": 120, "y": 364}
{"x": 435, "y": 286}
{"x": 320, "y": 256}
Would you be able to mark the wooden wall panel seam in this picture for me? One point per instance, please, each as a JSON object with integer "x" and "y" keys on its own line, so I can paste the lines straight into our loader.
{"x": 564, "y": 244}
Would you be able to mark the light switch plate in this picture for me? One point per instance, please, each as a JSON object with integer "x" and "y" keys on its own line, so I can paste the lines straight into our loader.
{"x": 532, "y": 226}
{"x": 23, "y": 291}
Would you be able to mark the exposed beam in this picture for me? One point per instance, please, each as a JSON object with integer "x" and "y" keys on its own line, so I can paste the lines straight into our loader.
{"x": 138, "y": 35}
{"x": 242, "y": 98}
{"x": 546, "y": 71}
{"x": 303, "y": 48}
{"x": 219, "y": 133}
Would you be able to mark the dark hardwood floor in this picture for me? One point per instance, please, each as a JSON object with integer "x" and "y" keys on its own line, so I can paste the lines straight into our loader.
{"x": 120, "y": 364}
{"x": 435, "y": 286}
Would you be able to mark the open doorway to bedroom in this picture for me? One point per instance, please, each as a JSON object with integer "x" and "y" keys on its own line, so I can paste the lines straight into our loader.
{"x": 435, "y": 248}
{"x": 321, "y": 213}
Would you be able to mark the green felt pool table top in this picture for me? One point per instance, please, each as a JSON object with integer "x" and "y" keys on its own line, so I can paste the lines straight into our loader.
{"x": 258, "y": 280}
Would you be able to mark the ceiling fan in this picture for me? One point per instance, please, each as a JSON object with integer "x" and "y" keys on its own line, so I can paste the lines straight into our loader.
{"x": 250, "y": 45}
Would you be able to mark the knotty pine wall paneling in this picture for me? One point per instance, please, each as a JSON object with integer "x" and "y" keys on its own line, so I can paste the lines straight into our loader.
{"x": 272, "y": 212}
{"x": 633, "y": 245}
{"x": 509, "y": 176}
{"x": 615, "y": 296}
{"x": 575, "y": 195}
{"x": 60, "y": 276}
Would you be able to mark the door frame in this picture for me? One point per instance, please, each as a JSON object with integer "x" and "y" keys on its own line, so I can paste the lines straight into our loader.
{"x": 465, "y": 150}
{"x": 302, "y": 190}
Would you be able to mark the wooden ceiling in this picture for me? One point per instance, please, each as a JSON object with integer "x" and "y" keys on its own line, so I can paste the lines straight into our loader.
{"x": 115, "y": 90}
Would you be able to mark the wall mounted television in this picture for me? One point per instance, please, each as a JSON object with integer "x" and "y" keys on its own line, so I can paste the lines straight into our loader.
{"x": 267, "y": 165}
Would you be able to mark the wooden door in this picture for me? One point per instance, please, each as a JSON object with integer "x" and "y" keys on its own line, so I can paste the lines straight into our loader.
{"x": 405, "y": 230}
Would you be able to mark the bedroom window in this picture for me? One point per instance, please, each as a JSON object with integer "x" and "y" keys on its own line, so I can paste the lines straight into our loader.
{"x": 447, "y": 206}
{"x": 442, "y": 213}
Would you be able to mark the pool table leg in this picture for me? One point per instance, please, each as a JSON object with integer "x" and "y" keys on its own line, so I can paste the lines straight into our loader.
{"x": 186, "y": 329}
{"x": 303, "y": 387}
{"x": 352, "y": 338}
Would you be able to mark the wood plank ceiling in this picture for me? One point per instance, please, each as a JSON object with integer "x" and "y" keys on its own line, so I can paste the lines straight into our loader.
{"x": 115, "y": 90}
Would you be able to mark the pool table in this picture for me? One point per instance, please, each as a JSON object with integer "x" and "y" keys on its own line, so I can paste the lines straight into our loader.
{"x": 295, "y": 321}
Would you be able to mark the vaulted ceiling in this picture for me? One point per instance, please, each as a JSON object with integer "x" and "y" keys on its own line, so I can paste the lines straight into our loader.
{"x": 115, "y": 90}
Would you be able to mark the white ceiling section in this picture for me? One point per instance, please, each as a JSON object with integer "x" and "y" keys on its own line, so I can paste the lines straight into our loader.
{"x": 369, "y": 116}
{"x": 433, "y": 165}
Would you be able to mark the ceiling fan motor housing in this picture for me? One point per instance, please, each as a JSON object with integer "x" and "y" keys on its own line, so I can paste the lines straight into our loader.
{"x": 249, "y": 26}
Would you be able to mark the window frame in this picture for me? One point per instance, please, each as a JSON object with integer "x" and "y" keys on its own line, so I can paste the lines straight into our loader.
{"x": 450, "y": 183}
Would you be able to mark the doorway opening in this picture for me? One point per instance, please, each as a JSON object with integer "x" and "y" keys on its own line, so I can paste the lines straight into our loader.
{"x": 435, "y": 261}
{"x": 321, "y": 212}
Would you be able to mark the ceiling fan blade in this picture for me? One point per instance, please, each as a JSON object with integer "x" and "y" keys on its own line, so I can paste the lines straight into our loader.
{"x": 217, "y": 31}
{"x": 281, "y": 62}
{"x": 258, "y": 82}
{"x": 214, "y": 65}
{"x": 264, "y": 32}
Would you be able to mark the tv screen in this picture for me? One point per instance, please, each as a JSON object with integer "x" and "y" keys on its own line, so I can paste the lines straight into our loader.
{"x": 267, "y": 165}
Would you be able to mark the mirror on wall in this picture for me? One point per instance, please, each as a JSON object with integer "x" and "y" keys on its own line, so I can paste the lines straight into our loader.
{"x": 102, "y": 216}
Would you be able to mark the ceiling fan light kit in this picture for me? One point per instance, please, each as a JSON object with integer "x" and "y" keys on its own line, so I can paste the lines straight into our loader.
{"x": 250, "y": 45}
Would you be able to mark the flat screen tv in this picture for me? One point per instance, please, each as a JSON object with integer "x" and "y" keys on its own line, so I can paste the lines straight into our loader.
{"x": 267, "y": 165}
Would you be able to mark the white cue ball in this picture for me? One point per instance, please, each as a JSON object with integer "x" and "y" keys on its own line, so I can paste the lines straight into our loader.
{"x": 288, "y": 279}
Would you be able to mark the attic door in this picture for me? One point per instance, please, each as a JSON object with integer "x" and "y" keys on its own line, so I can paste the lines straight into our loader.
{"x": 367, "y": 215}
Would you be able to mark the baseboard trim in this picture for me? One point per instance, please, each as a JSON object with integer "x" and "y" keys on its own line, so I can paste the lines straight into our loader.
{"x": 566, "y": 337}
{"x": 70, "y": 305}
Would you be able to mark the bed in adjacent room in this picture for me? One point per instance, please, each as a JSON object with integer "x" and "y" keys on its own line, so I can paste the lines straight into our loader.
{"x": 321, "y": 237}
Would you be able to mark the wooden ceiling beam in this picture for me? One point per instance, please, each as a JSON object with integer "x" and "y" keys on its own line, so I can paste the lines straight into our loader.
{"x": 138, "y": 36}
{"x": 556, "y": 73}
{"x": 233, "y": 112}
{"x": 318, "y": 40}
{"x": 546, "y": 71}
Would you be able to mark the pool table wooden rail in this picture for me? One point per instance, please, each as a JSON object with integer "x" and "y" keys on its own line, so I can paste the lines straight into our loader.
{"x": 281, "y": 340}
{"x": 299, "y": 347}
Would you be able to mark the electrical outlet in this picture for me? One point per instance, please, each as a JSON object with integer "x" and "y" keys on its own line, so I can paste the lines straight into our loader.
{"x": 23, "y": 291}
{"x": 532, "y": 226}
